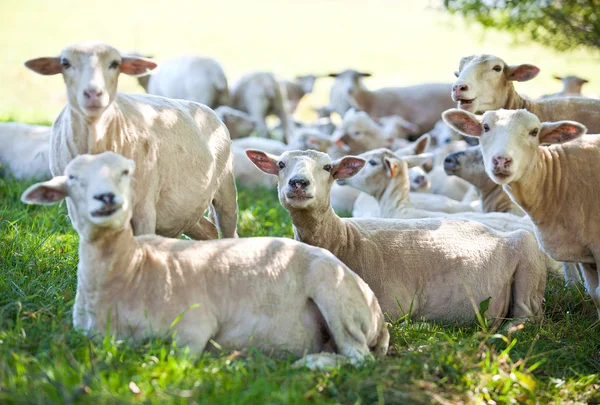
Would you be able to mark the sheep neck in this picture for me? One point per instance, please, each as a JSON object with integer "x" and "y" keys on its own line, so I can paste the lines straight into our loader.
{"x": 364, "y": 99}
{"x": 395, "y": 198}
{"x": 494, "y": 199}
{"x": 92, "y": 132}
{"x": 515, "y": 102}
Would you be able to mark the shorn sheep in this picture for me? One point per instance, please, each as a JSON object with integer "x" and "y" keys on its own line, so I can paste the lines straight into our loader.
{"x": 25, "y": 150}
{"x": 271, "y": 293}
{"x": 555, "y": 185}
{"x": 411, "y": 265}
{"x": 181, "y": 148}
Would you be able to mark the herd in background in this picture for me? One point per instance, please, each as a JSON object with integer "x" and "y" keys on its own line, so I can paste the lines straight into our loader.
{"x": 446, "y": 205}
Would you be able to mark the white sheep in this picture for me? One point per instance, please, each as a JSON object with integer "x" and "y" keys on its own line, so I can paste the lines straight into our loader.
{"x": 24, "y": 150}
{"x": 339, "y": 100}
{"x": 571, "y": 87}
{"x": 181, "y": 148}
{"x": 238, "y": 123}
{"x": 295, "y": 90}
{"x": 271, "y": 293}
{"x": 555, "y": 185}
{"x": 259, "y": 94}
{"x": 435, "y": 268}
{"x": 190, "y": 77}
{"x": 485, "y": 82}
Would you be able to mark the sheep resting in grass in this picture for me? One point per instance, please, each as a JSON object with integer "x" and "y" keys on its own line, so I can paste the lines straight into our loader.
{"x": 181, "y": 148}
{"x": 433, "y": 268}
{"x": 271, "y": 293}
{"x": 24, "y": 150}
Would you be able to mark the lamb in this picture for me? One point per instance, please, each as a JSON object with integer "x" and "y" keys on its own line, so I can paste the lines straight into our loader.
{"x": 338, "y": 96}
{"x": 571, "y": 87}
{"x": 485, "y": 82}
{"x": 190, "y": 77}
{"x": 24, "y": 150}
{"x": 295, "y": 90}
{"x": 259, "y": 95}
{"x": 238, "y": 123}
{"x": 272, "y": 293}
{"x": 181, "y": 148}
{"x": 555, "y": 185}
{"x": 411, "y": 265}
{"x": 420, "y": 104}
{"x": 468, "y": 165}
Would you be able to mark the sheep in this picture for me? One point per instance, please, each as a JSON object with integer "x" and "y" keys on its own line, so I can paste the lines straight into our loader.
{"x": 295, "y": 90}
{"x": 181, "y": 148}
{"x": 468, "y": 165}
{"x": 571, "y": 87}
{"x": 555, "y": 185}
{"x": 442, "y": 184}
{"x": 259, "y": 94}
{"x": 24, "y": 150}
{"x": 411, "y": 265}
{"x": 273, "y": 293}
{"x": 238, "y": 123}
{"x": 485, "y": 82}
{"x": 189, "y": 77}
{"x": 361, "y": 133}
{"x": 324, "y": 122}
{"x": 421, "y": 104}
{"x": 338, "y": 96}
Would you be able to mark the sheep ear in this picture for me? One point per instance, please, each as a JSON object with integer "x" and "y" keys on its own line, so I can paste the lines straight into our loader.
{"x": 522, "y": 73}
{"x": 333, "y": 74}
{"x": 264, "y": 161}
{"x": 347, "y": 167}
{"x": 45, "y": 66}
{"x": 136, "y": 65}
{"x": 46, "y": 193}
{"x": 418, "y": 160}
{"x": 392, "y": 165}
{"x": 422, "y": 144}
{"x": 364, "y": 74}
{"x": 456, "y": 73}
{"x": 557, "y": 77}
{"x": 464, "y": 122}
{"x": 561, "y": 131}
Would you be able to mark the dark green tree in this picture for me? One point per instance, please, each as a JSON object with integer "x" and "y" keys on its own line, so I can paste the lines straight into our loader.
{"x": 559, "y": 24}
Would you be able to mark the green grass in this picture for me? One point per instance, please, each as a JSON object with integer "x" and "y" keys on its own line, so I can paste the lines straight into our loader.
{"x": 43, "y": 360}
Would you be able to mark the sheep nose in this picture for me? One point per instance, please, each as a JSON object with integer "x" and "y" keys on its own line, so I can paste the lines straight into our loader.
{"x": 298, "y": 182}
{"x": 449, "y": 161}
{"x": 106, "y": 198}
{"x": 420, "y": 179}
{"x": 92, "y": 93}
{"x": 501, "y": 162}
{"x": 460, "y": 87}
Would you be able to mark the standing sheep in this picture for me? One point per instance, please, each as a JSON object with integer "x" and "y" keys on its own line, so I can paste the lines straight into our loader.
{"x": 485, "y": 83}
{"x": 295, "y": 90}
{"x": 272, "y": 293}
{"x": 339, "y": 100}
{"x": 556, "y": 185}
{"x": 571, "y": 87}
{"x": 437, "y": 269}
{"x": 181, "y": 148}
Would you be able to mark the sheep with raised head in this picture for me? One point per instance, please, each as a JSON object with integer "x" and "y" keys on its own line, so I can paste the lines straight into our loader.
{"x": 24, "y": 150}
{"x": 339, "y": 100}
{"x": 238, "y": 123}
{"x": 181, "y": 148}
{"x": 411, "y": 265}
{"x": 555, "y": 185}
{"x": 272, "y": 293}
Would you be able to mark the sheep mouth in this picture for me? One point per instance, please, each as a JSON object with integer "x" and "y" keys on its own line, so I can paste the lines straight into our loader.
{"x": 465, "y": 102}
{"x": 342, "y": 182}
{"x": 298, "y": 196}
{"x": 105, "y": 211}
{"x": 502, "y": 175}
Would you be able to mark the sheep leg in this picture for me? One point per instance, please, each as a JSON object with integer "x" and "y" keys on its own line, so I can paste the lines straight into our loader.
{"x": 320, "y": 361}
{"x": 203, "y": 230}
{"x": 572, "y": 275}
{"x": 224, "y": 207}
{"x": 280, "y": 111}
{"x": 529, "y": 283}
{"x": 592, "y": 284}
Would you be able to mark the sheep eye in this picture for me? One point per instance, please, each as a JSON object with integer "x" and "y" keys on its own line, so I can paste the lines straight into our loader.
{"x": 357, "y": 133}
{"x": 534, "y": 132}
{"x": 114, "y": 64}
{"x": 327, "y": 168}
{"x": 456, "y": 73}
{"x": 281, "y": 165}
{"x": 65, "y": 63}
{"x": 486, "y": 127}
{"x": 71, "y": 177}
{"x": 125, "y": 172}
{"x": 373, "y": 162}
{"x": 498, "y": 68}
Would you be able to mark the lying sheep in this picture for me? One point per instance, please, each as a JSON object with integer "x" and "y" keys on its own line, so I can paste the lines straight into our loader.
{"x": 468, "y": 165}
{"x": 339, "y": 100}
{"x": 259, "y": 95}
{"x": 24, "y": 150}
{"x": 411, "y": 265}
{"x": 272, "y": 293}
{"x": 485, "y": 82}
{"x": 295, "y": 90}
{"x": 555, "y": 185}
{"x": 181, "y": 148}
{"x": 238, "y": 123}
{"x": 192, "y": 78}
{"x": 442, "y": 184}
{"x": 571, "y": 87}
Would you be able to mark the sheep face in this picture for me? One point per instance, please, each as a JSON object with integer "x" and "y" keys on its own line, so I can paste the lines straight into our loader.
{"x": 99, "y": 187}
{"x": 374, "y": 177}
{"x": 510, "y": 139}
{"x": 90, "y": 71}
{"x": 305, "y": 177}
{"x": 468, "y": 165}
{"x": 419, "y": 180}
{"x": 360, "y": 133}
{"x": 485, "y": 81}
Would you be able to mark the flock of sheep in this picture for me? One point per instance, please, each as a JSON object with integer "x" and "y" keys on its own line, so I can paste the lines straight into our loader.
{"x": 438, "y": 226}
